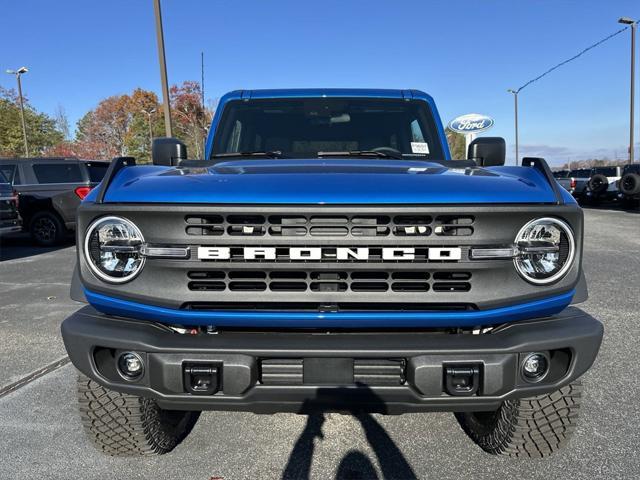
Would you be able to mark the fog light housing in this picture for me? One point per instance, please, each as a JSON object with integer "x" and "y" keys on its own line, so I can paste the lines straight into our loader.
{"x": 130, "y": 366}
{"x": 535, "y": 366}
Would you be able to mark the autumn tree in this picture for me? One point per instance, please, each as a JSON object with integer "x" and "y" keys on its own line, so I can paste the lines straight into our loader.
{"x": 42, "y": 131}
{"x": 190, "y": 119}
{"x": 456, "y": 144}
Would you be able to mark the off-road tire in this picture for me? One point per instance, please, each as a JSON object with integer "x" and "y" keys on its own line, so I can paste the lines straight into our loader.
{"x": 598, "y": 183}
{"x": 630, "y": 184}
{"x": 125, "y": 425}
{"x": 528, "y": 427}
{"x": 46, "y": 229}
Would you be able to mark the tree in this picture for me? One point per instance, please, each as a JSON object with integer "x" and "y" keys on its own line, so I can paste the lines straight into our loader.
{"x": 123, "y": 125}
{"x": 189, "y": 117}
{"x": 62, "y": 122}
{"x": 456, "y": 143}
{"x": 42, "y": 132}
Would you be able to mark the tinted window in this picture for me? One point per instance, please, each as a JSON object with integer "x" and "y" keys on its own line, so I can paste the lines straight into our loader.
{"x": 3, "y": 179}
{"x": 302, "y": 127}
{"x": 96, "y": 171}
{"x": 561, "y": 174}
{"x": 606, "y": 171}
{"x": 582, "y": 173}
{"x": 58, "y": 173}
{"x": 11, "y": 173}
{"x": 635, "y": 168}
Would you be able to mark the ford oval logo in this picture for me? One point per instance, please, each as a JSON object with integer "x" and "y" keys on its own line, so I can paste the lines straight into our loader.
{"x": 471, "y": 123}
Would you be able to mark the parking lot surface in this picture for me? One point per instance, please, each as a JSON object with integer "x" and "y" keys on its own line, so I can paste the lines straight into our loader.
{"x": 42, "y": 436}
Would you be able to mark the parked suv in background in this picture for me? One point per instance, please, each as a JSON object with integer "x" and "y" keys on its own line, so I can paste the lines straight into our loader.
{"x": 9, "y": 218}
{"x": 50, "y": 190}
{"x": 603, "y": 183}
{"x": 629, "y": 184}
{"x": 576, "y": 182}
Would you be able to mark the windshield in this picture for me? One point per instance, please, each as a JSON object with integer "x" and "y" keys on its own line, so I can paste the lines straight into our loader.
{"x": 303, "y": 127}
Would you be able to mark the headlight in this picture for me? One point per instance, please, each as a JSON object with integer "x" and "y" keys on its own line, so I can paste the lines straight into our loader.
{"x": 546, "y": 250}
{"x": 112, "y": 248}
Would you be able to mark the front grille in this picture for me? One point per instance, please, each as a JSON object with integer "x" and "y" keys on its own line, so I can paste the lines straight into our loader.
{"x": 325, "y": 281}
{"x": 329, "y": 225}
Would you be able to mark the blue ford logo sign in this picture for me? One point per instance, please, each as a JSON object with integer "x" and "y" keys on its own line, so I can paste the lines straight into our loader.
{"x": 471, "y": 123}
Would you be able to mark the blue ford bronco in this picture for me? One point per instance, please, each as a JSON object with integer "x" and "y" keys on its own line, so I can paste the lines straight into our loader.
{"x": 328, "y": 255}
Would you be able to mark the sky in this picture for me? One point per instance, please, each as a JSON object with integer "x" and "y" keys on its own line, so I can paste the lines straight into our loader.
{"x": 465, "y": 53}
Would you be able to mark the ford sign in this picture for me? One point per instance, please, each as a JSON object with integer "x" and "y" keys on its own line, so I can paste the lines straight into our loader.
{"x": 471, "y": 123}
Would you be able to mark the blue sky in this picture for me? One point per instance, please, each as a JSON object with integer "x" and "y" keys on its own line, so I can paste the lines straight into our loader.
{"x": 464, "y": 53}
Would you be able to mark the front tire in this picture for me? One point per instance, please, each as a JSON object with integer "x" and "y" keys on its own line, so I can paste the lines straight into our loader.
{"x": 527, "y": 427}
{"x": 125, "y": 425}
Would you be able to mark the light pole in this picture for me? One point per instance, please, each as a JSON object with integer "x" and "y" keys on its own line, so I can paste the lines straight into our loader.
{"x": 163, "y": 68}
{"x": 634, "y": 25}
{"x": 18, "y": 73}
{"x": 149, "y": 113}
{"x": 515, "y": 100}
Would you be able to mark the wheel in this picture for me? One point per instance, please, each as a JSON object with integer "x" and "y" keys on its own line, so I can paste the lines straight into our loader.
{"x": 630, "y": 184}
{"x": 528, "y": 427}
{"x": 124, "y": 425}
{"x": 598, "y": 184}
{"x": 46, "y": 229}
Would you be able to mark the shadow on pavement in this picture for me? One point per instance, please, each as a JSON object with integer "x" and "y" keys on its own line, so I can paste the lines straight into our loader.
{"x": 354, "y": 465}
{"x": 21, "y": 246}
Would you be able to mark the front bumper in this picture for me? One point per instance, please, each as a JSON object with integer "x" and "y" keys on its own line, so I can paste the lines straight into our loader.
{"x": 284, "y": 371}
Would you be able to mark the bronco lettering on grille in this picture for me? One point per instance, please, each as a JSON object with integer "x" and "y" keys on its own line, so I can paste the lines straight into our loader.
{"x": 320, "y": 253}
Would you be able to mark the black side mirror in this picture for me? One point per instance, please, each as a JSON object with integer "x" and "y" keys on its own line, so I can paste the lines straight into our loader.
{"x": 168, "y": 151}
{"x": 487, "y": 151}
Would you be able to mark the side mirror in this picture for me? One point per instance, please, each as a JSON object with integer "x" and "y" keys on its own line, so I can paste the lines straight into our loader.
{"x": 168, "y": 151}
{"x": 487, "y": 151}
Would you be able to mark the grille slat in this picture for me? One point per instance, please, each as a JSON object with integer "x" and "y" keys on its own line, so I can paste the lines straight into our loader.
{"x": 339, "y": 281}
{"x": 330, "y": 226}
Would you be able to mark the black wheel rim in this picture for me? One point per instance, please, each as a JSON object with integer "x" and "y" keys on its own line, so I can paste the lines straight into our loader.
{"x": 44, "y": 229}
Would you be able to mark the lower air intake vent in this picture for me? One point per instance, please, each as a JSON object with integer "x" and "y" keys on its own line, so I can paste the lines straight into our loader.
{"x": 370, "y": 372}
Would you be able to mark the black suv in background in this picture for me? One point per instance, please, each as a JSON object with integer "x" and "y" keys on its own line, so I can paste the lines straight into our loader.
{"x": 9, "y": 218}
{"x": 50, "y": 190}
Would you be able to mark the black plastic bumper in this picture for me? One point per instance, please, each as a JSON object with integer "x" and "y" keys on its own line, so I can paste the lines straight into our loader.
{"x": 302, "y": 371}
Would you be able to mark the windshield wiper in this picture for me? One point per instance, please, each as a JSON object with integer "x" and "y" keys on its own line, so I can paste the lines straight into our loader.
{"x": 265, "y": 154}
{"x": 359, "y": 153}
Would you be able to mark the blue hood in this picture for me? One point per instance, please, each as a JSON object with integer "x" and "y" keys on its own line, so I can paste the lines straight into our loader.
{"x": 321, "y": 181}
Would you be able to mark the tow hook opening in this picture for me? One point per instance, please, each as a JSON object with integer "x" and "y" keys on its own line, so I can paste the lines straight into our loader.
{"x": 461, "y": 380}
{"x": 201, "y": 378}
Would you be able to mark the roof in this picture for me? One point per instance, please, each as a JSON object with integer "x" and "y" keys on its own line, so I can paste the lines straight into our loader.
{"x": 328, "y": 92}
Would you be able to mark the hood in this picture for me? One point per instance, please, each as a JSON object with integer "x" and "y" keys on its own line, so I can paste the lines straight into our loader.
{"x": 322, "y": 181}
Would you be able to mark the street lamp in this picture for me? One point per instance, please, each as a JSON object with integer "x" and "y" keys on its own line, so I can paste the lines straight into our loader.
{"x": 149, "y": 113}
{"x": 634, "y": 25}
{"x": 18, "y": 73}
{"x": 515, "y": 99}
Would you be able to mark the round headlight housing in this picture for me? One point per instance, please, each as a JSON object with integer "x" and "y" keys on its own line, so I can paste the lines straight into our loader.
{"x": 546, "y": 250}
{"x": 112, "y": 248}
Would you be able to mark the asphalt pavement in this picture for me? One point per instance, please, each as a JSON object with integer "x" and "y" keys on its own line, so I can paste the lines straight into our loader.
{"x": 41, "y": 436}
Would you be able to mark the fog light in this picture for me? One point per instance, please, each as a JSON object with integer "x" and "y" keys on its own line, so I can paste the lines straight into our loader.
{"x": 130, "y": 365}
{"x": 535, "y": 366}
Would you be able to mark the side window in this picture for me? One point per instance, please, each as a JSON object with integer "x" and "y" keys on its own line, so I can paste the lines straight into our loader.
{"x": 96, "y": 171}
{"x": 416, "y": 132}
{"x": 12, "y": 173}
{"x": 58, "y": 173}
